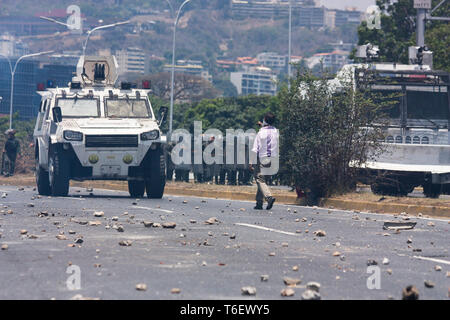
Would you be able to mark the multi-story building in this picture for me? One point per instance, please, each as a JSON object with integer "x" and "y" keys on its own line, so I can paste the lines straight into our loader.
{"x": 11, "y": 47}
{"x": 273, "y": 60}
{"x": 332, "y": 61}
{"x": 267, "y": 8}
{"x": 132, "y": 60}
{"x": 30, "y": 76}
{"x": 193, "y": 67}
{"x": 255, "y": 80}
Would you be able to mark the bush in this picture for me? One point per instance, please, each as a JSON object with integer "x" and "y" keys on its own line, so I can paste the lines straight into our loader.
{"x": 320, "y": 134}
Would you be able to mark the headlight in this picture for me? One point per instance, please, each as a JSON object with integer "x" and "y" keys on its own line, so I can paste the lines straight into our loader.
{"x": 151, "y": 135}
{"x": 73, "y": 135}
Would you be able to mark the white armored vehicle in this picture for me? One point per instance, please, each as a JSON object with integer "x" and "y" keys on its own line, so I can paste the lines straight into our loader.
{"x": 417, "y": 139}
{"x": 92, "y": 130}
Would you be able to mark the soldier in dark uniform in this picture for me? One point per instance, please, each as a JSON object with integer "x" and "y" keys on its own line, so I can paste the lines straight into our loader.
{"x": 170, "y": 165}
{"x": 10, "y": 152}
{"x": 232, "y": 167}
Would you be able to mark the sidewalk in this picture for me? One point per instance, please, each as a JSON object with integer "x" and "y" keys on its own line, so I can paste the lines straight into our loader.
{"x": 358, "y": 201}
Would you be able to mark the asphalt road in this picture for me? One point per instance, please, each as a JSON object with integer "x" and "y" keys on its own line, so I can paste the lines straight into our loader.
{"x": 208, "y": 261}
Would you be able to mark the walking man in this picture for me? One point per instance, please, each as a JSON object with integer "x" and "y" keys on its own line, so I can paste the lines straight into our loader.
{"x": 10, "y": 152}
{"x": 266, "y": 148}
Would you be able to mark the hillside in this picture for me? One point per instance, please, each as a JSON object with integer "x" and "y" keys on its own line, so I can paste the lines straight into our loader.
{"x": 205, "y": 32}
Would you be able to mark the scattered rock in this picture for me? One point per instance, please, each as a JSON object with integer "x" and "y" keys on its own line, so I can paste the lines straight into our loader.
{"x": 125, "y": 243}
{"x": 428, "y": 284}
{"x": 271, "y": 254}
{"x": 80, "y": 297}
{"x": 141, "y": 287}
{"x": 23, "y": 231}
{"x": 320, "y": 233}
{"x": 169, "y": 225}
{"x": 99, "y": 214}
{"x": 147, "y": 224}
{"x": 95, "y": 223}
{"x": 314, "y": 286}
{"x": 175, "y": 291}
{"x": 248, "y": 291}
{"x": 438, "y": 268}
{"x": 264, "y": 277}
{"x": 115, "y": 218}
{"x": 287, "y": 292}
{"x": 212, "y": 220}
{"x": 409, "y": 240}
{"x": 30, "y": 205}
{"x": 61, "y": 237}
{"x": 4, "y": 247}
{"x": 336, "y": 254}
{"x": 120, "y": 228}
{"x": 410, "y": 293}
{"x": 371, "y": 262}
{"x": 193, "y": 221}
{"x": 295, "y": 268}
{"x": 72, "y": 232}
{"x": 385, "y": 261}
{"x": 310, "y": 295}
{"x": 79, "y": 240}
{"x": 430, "y": 224}
{"x": 285, "y": 244}
{"x": 157, "y": 225}
{"x": 291, "y": 281}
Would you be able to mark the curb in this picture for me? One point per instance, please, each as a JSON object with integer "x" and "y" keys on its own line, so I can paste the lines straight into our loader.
{"x": 365, "y": 206}
{"x": 392, "y": 208}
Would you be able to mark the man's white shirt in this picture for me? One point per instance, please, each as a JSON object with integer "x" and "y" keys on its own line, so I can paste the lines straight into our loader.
{"x": 266, "y": 142}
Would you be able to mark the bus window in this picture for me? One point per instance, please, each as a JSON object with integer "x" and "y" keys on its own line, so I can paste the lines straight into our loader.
{"x": 416, "y": 140}
{"x": 408, "y": 140}
{"x": 425, "y": 140}
{"x": 398, "y": 139}
{"x": 390, "y": 139}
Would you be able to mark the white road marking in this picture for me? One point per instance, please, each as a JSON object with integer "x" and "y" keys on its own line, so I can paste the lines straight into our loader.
{"x": 266, "y": 229}
{"x": 432, "y": 259}
{"x": 71, "y": 198}
{"x": 156, "y": 209}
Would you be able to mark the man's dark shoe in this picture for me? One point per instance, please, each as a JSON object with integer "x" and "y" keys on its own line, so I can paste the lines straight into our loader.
{"x": 259, "y": 206}
{"x": 270, "y": 202}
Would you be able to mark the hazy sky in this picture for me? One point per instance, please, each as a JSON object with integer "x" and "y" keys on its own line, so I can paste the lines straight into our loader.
{"x": 341, "y": 4}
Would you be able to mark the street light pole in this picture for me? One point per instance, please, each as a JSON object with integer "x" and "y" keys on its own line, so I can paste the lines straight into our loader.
{"x": 173, "y": 66}
{"x": 99, "y": 28}
{"x": 89, "y": 32}
{"x": 290, "y": 34}
{"x": 13, "y": 72}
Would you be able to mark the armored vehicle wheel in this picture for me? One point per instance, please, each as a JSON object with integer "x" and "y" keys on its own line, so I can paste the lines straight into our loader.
{"x": 156, "y": 181}
{"x": 136, "y": 188}
{"x": 59, "y": 169}
{"x": 42, "y": 180}
{"x": 431, "y": 190}
{"x": 390, "y": 187}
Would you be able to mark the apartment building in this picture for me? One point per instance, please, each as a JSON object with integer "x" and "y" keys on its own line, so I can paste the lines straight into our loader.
{"x": 255, "y": 80}
{"x": 132, "y": 60}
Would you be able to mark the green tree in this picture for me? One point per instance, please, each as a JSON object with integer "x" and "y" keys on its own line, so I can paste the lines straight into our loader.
{"x": 320, "y": 134}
